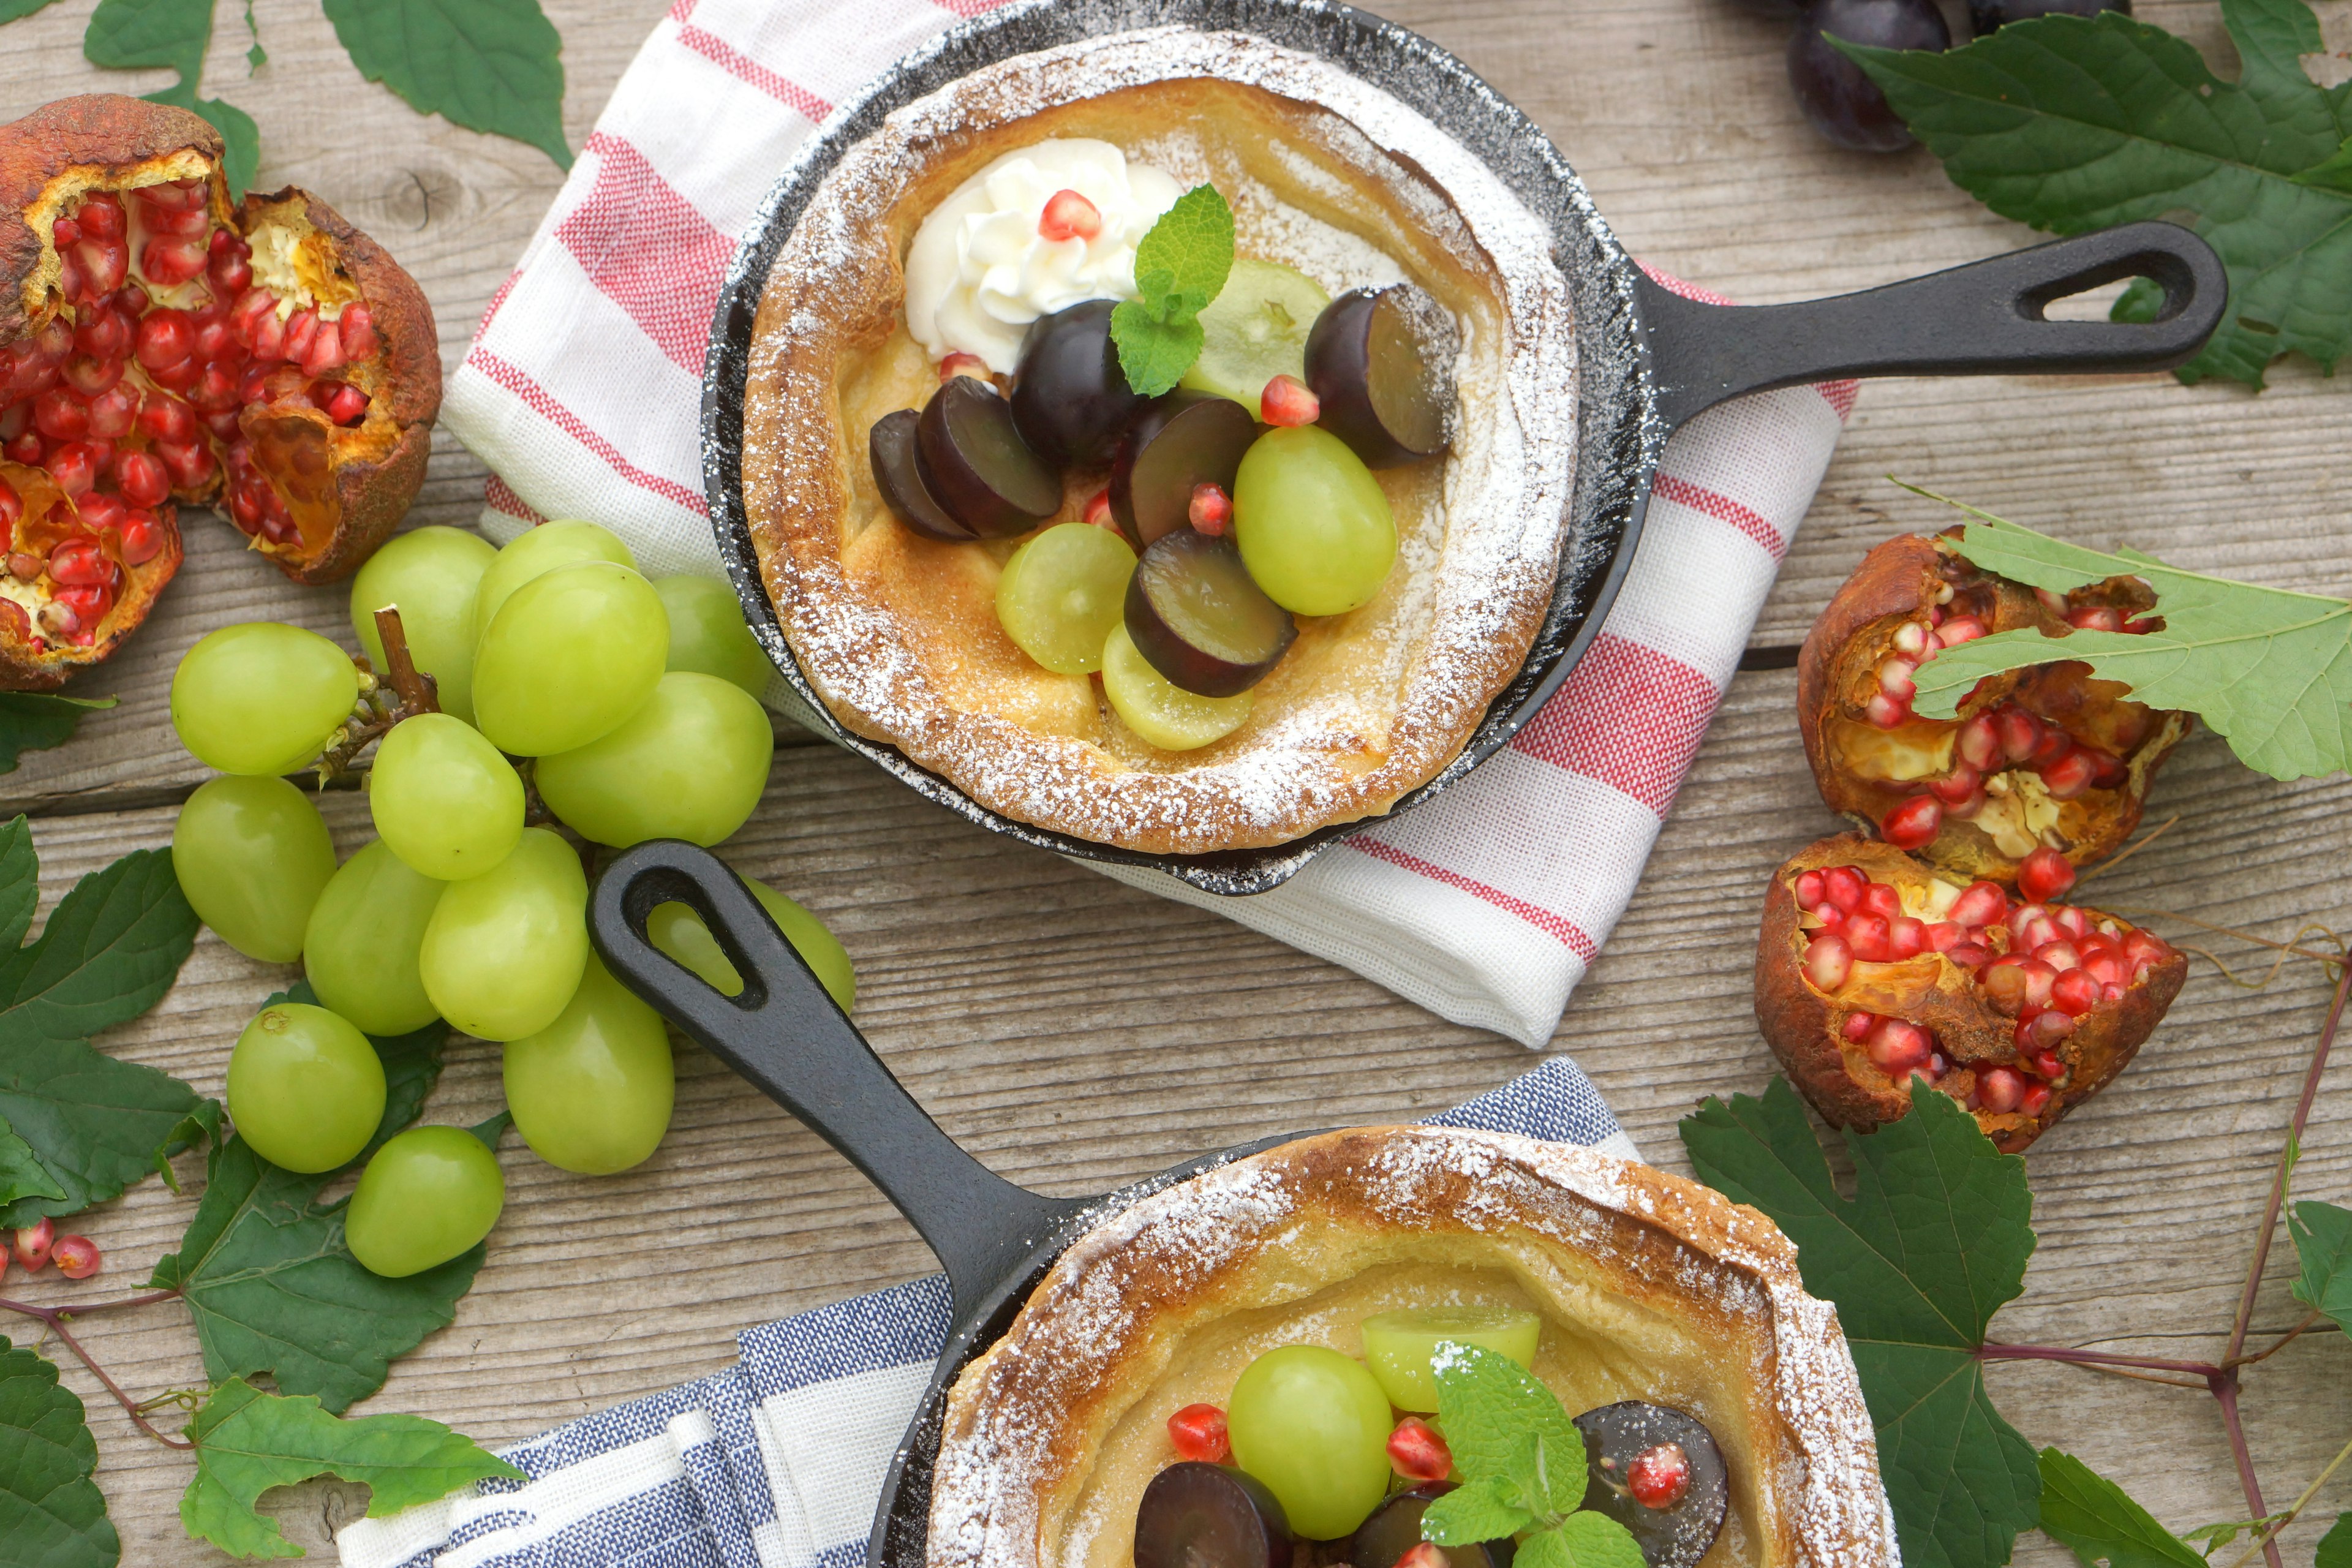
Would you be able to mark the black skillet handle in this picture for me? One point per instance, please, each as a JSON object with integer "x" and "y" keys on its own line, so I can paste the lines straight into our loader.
{"x": 785, "y": 1034}
{"x": 1983, "y": 319}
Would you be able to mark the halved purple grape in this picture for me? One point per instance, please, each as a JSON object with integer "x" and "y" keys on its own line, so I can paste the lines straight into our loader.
{"x": 1196, "y": 1515}
{"x": 1380, "y": 361}
{"x": 1184, "y": 440}
{"x": 890, "y": 447}
{"x": 1616, "y": 1436}
{"x": 977, "y": 465}
{"x": 1394, "y": 1529}
{"x": 1071, "y": 401}
{"x": 1198, "y": 620}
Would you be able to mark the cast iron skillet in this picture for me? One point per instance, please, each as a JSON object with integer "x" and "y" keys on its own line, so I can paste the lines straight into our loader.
{"x": 1650, "y": 359}
{"x": 787, "y": 1038}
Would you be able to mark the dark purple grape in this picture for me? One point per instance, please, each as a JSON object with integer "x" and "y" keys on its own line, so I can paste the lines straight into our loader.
{"x": 1986, "y": 14}
{"x": 1380, "y": 361}
{"x": 1394, "y": 1528}
{"x": 1071, "y": 401}
{"x": 1184, "y": 440}
{"x": 1195, "y": 1515}
{"x": 1842, "y": 103}
{"x": 1616, "y": 1436}
{"x": 1198, "y": 620}
{"x": 977, "y": 466}
{"x": 890, "y": 448}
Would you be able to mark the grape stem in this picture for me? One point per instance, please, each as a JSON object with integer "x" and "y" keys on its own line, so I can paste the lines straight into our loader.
{"x": 419, "y": 693}
{"x": 55, "y": 1318}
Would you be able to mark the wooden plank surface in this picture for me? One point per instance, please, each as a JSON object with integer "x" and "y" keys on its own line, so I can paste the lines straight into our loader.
{"x": 1063, "y": 1024}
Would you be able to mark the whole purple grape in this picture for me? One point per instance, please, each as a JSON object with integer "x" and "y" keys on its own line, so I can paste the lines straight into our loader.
{"x": 1986, "y": 14}
{"x": 1842, "y": 103}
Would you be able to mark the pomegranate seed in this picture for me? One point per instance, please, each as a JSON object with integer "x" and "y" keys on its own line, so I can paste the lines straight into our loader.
{"x": 1098, "y": 512}
{"x": 215, "y": 390}
{"x": 113, "y": 412}
{"x": 143, "y": 538}
{"x": 1898, "y": 1047}
{"x": 77, "y": 1256}
{"x": 2021, "y": 732}
{"x": 2047, "y": 1064}
{"x": 1915, "y": 824}
{"x": 216, "y": 339}
{"x": 1958, "y": 629}
{"x": 1659, "y": 1477}
{"x": 2000, "y": 1090}
{"x": 2055, "y": 746}
{"x": 1945, "y": 935}
{"x": 2071, "y": 920}
{"x": 301, "y": 327}
{"x": 105, "y": 335}
{"x": 70, "y": 282}
{"x": 1199, "y": 1432}
{"x": 2146, "y": 947}
{"x": 2095, "y": 619}
{"x": 142, "y": 479}
{"x": 2075, "y": 993}
{"x": 12, "y": 505}
{"x": 1886, "y": 712}
{"x": 2047, "y": 1028}
{"x": 1843, "y": 886}
{"x": 2107, "y": 969}
{"x": 2059, "y": 955}
{"x": 1964, "y": 810}
{"x": 1418, "y": 1452}
{"x": 2031, "y": 931}
{"x": 173, "y": 260}
{"x": 1971, "y": 954}
{"x": 22, "y": 567}
{"x": 99, "y": 511}
{"x": 34, "y": 1241}
{"x": 229, "y": 271}
{"x": 90, "y": 376}
{"x": 955, "y": 364}
{"x": 1858, "y": 1026}
{"x": 89, "y": 605}
{"x": 166, "y": 418}
{"x": 100, "y": 216}
{"x": 1809, "y": 889}
{"x": 77, "y": 564}
{"x": 58, "y": 620}
{"x": 1954, "y": 787}
{"x": 15, "y": 419}
{"x": 2044, "y": 875}
{"x": 1980, "y": 904}
{"x": 2106, "y": 772}
{"x": 268, "y": 339}
{"x": 64, "y": 233}
{"x": 2145, "y": 625}
{"x": 1286, "y": 402}
{"x": 24, "y": 448}
{"x": 326, "y": 351}
{"x": 184, "y": 223}
{"x": 1829, "y": 959}
{"x": 1866, "y": 936}
{"x": 2035, "y": 1099}
{"x": 246, "y": 314}
{"x": 1906, "y": 937}
{"x": 1882, "y": 901}
{"x": 74, "y": 467}
{"x": 190, "y": 462}
{"x": 1424, "y": 1554}
{"x": 61, "y": 414}
{"x": 223, "y": 423}
{"x": 2004, "y": 981}
{"x": 347, "y": 405}
{"x": 104, "y": 264}
{"x": 1911, "y": 639}
{"x": 1211, "y": 510}
{"x": 359, "y": 332}
{"x": 1069, "y": 215}
{"x": 1829, "y": 914}
{"x": 165, "y": 338}
{"x": 1894, "y": 679}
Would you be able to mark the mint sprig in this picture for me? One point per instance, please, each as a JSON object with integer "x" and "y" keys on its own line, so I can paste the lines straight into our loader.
{"x": 1523, "y": 1467}
{"x": 1180, "y": 266}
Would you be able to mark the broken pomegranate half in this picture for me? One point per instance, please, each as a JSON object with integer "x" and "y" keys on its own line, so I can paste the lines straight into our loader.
{"x": 1873, "y": 967}
{"x": 161, "y": 346}
{"x": 2041, "y": 757}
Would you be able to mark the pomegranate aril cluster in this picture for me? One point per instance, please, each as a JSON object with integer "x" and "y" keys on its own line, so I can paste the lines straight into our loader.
{"x": 34, "y": 1247}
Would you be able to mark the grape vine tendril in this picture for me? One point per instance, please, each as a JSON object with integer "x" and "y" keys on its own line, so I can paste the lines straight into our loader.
{"x": 54, "y": 1319}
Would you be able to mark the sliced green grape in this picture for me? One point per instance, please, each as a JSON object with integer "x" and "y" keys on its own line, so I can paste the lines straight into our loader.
{"x": 1399, "y": 1346}
{"x": 360, "y": 947}
{"x": 1313, "y": 1426}
{"x": 678, "y": 931}
{"x": 429, "y": 576}
{"x": 1164, "y": 714}
{"x": 1313, "y": 526}
{"x": 427, "y": 1195}
{"x": 260, "y": 698}
{"x": 443, "y": 798}
{"x": 534, "y": 554}
{"x": 252, "y": 855}
{"x": 305, "y": 1087}
{"x": 707, "y": 634}
{"x": 504, "y": 951}
{"x": 689, "y": 764}
{"x": 1062, "y": 592}
{"x": 1254, "y": 330}
{"x": 571, "y": 655}
{"x": 592, "y": 1092}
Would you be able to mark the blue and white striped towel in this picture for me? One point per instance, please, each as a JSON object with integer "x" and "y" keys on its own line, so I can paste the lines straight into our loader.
{"x": 696, "y": 1477}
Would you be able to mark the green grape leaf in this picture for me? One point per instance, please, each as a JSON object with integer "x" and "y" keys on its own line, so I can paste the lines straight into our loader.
{"x": 1486, "y": 1509}
{"x": 20, "y": 882}
{"x": 38, "y": 720}
{"x": 202, "y": 1125}
{"x": 1934, "y": 1241}
{"x": 131, "y": 34}
{"x": 51, "y": 1514}
{"x": 1180, "y": 264}
{"x": 1502, "y": 1424}
{"x": 22, "y": 1174}
{"x": 248, "y": 1441}
{"x": 239, "y": 136}
{"x": 2073, "y": 123}
{"x": 2335, "y": 1549}
{"x": 2094, "y": 1519}
{"x": 490, "y": 1132}
{"x": 2269, "y": 669}
{"x": 487, "y": 65}
{"x": 1581, "y": 1541}
{"x": 2217, "y": 1536}
{"x": 11, "y": 9}
{"x": 2323, "y": 1242}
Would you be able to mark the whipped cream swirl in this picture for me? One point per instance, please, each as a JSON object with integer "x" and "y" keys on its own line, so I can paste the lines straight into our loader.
{"x": 978, "y": 271}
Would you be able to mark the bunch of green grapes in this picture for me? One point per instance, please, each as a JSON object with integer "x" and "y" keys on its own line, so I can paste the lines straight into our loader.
{"x": 631, "y": 705}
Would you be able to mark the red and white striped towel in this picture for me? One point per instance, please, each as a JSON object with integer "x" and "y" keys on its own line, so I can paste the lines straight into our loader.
{"x": 582, "y": 389}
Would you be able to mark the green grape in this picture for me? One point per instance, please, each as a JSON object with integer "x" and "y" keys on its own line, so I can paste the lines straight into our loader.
{"x": 592, "y": 1092}
{"x": 571, "y": 655}
{"x": 1314, "y": 527}
{"x": 689, "y": 764}
{"x": 504, "y": 951}
{"x": 427, "y": 1197}
{"x": 708, "y": 634}
{"x": 261, "y": 698}
{"x": 443, "y": 798}
{"x": 305, "y": 1087}
{"x": 1162, "y": 713}
{"x": 429, "y": 576}
{"x": 1313, "y": 1426}
{"x": 1399, "y": 1345}
{"x": 359, "y": 950}
{"x": 1254, "y": 330}
{"x": 538, "y": 552}
{"x": 1062, "y": 592}
{"x": 251, "y": 854}
{"x": 678, "y": 931}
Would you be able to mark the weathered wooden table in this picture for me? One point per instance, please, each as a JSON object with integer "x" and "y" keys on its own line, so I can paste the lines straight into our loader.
{"x": 1068, "y": 1028}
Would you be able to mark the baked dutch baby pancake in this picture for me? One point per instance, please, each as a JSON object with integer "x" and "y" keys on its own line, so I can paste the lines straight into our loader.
{"x": 1276, "y": 594}
{"x": 1156, "y": 1399}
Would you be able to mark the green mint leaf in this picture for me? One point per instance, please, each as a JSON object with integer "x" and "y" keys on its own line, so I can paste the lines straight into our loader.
{"x": 487, "y": 65}
{"x": 1182, "y": 263}
{"x": 2091, "y": 1516}
{"x": 2071, "y": 124}
{"x": 1581, "y": 1541}
{"x": 248, "y": 1442}
{"x": 1932, "y": 1244}
{"x": 1504, "y": 1425}
{"x": 2323, "y": 1241}
{"x": 2269, "y": 669}
{"x": 51, "y": 1511}
{"x": 1152, "y": 353}
{"x": 37, "y": 720}
{"x": 2335, "y": 1550}
{"x": 1486, "y": 1509}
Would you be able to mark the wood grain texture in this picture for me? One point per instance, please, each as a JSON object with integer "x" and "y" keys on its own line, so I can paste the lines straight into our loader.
{"x": 1063, "y": 1025}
